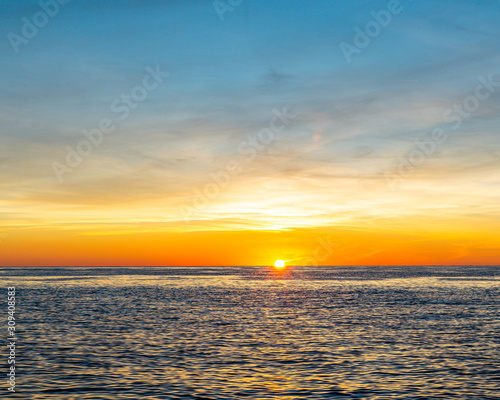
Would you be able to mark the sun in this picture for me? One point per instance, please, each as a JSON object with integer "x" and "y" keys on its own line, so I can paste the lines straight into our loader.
{"x": 279, "y": 264}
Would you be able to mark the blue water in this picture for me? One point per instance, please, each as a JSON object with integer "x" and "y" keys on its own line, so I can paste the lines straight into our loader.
{"x": 249, "y": 333}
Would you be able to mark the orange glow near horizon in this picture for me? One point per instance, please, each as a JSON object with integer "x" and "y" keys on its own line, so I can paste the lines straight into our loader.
{"x": 300, "y": 226}
{"x": 386, "y": 244}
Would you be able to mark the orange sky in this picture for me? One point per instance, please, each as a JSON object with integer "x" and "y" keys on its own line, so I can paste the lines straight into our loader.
{"x": 366, "y": 245}
{"x": 254, "y": 221}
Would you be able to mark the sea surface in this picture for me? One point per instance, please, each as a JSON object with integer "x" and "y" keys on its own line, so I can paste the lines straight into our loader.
{"x": 253, "y": 333}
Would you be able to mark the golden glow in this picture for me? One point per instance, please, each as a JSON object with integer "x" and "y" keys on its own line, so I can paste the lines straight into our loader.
{"x": 310, "y": 228}
{"x": 279, "y": 264}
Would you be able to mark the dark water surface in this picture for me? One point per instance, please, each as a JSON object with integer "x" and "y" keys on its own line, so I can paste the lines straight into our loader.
{"x": 246, "y": 333}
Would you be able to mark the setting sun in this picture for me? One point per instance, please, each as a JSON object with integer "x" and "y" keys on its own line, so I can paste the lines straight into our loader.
{"x": 279, "y": 264}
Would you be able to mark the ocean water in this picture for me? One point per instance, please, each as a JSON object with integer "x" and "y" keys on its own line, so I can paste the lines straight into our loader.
{"x": 250, "y": 333}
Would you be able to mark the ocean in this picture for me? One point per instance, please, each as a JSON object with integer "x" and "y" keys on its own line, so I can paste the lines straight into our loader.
{"x": 252, "y": 333}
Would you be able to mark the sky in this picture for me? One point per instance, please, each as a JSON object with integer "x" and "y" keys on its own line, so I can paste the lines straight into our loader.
{"x": 240, "y": 132}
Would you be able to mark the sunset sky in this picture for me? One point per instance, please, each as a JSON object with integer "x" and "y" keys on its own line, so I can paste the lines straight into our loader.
{"x": 238, "y": 135}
